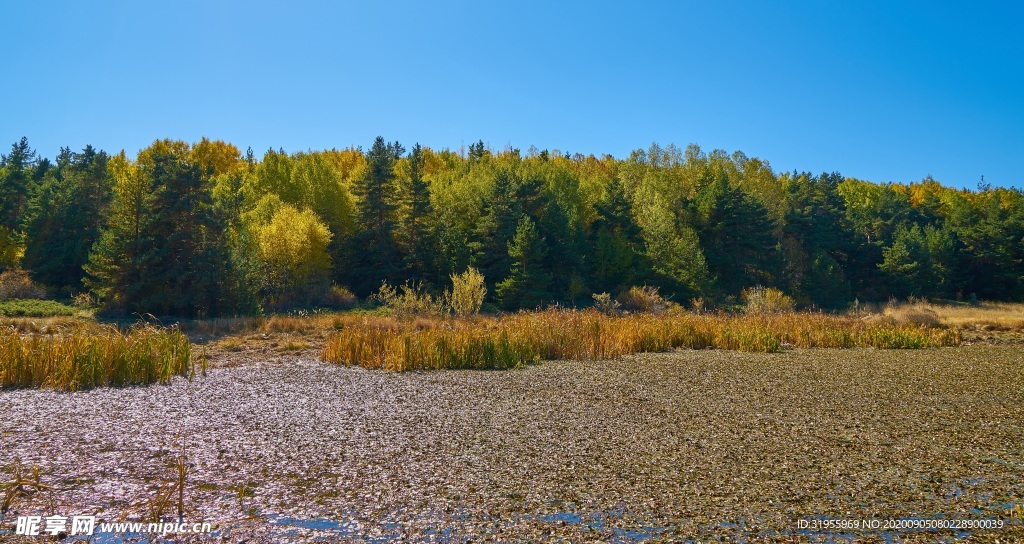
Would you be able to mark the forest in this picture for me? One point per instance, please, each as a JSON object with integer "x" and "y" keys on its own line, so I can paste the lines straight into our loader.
{"x": 204, "y": 229}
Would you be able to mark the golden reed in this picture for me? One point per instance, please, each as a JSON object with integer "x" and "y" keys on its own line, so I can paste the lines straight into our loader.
{"x": 503, "y": 342}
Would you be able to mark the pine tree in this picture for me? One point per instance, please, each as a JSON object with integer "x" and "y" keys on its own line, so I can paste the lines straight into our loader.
{"x": 496, "y": 229}
{"x": 375, "y": 253}
{"x": 188, "y": 255}
{"x": 419, "y": 239}
{"x": 528, "y": 285}
{"x": 114, "y": 270}
{"x": 65, "y": 218}
{"x": 16, "y": 184}
{"x": 617, "y": 246}
{"x": 163, "y": 251}
{"x": 736, "y": 231}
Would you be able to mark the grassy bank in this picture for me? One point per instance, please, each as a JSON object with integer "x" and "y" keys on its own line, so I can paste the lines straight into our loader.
{"x": 377, "y": 342}
{"x": 95, "y": 356}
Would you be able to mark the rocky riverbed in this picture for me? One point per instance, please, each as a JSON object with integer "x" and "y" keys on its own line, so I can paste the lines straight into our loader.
{"x": 660, "y": 447}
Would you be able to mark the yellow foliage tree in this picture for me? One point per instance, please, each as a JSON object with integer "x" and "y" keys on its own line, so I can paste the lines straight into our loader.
{"x": 216, "y": 157}
{"x": 293, "y": 250}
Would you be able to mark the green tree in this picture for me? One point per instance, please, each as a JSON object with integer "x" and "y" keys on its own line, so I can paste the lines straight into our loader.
{"x": 65, "y": 218}
{"x": 906, "y": 263}
{"x": 296, "y": 263}
{"x": 16, "y": 184}
{"x": 163, "y": 252}
{"x": 736, "y": 232}
{"x": 376, "y": 256}
{"x": 418, "y": 236}
{"x": 114, "y": 269}
{"x": 503, "y": 212}
{"x": 528, "y": 285}
{"x": 672, "y": 247}
{"x": 617, "y": 246}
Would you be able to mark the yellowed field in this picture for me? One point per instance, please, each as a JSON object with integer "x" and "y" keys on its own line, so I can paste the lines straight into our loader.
{"x": 985, "y": 316}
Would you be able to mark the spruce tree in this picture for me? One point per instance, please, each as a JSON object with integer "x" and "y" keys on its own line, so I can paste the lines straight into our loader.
{"x": 528, "y": 285}
{"x": 418, "y": 236}
{"x": 496, "y": 229}
{"x": 163, "y": 252}
{"x": 616, "y": 242}
{"x": 375, "y": 254}
{"x": 16, "y": 184}
{"x": 65, "y": 218}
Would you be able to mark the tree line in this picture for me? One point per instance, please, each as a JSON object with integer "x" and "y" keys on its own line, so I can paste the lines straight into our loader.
{"x": 203, "y": 229}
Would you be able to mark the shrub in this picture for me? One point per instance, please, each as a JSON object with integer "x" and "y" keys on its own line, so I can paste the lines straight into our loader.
{"x": 604, "y": 303}
{"x": 85, "y": 300}
{"x": 15, "y": 283}
{"x": 408, "y": 301}
{"x": 34, "y": 308}
{"x": 467, "y": 293}
{"x": 766, "y": 300}
{"x": 914, "y": 313}
{"x": 340, "y": 298}
{"x": 643, "y": 299}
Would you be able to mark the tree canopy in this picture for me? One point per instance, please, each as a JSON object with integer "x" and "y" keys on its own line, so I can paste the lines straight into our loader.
{"x": 203, "y": 229}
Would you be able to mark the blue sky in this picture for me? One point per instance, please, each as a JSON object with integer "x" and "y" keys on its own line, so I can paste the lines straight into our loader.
{"x": 887, "y": 91}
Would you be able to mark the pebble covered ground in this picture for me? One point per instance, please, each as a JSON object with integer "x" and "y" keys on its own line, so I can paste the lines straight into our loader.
{"x": 704, "y": 445}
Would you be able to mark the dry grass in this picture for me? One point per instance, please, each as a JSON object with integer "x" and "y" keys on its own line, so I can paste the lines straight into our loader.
{"x": 988, "y": 316}
{"x": 86, "y": 356}
{"x": 586, "y": 335}
{"x": 25, "y": 481}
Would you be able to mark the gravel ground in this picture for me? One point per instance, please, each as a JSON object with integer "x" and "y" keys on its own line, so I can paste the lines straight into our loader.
{"x": 706, "y": 445}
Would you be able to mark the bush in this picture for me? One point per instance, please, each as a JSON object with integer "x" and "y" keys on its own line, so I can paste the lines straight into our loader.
{"x": 408, "y": 301}
{"x": 766, "y": 300}
{"x": 34, "y": 308}
{"x": 340, "y": 298}
{"x": 914, "y": 312}
{"x": 643, "y": 299}
{"x": 15, "y": 283}
{"x": 603, "y": 303}
{"x": 467, "y": 293}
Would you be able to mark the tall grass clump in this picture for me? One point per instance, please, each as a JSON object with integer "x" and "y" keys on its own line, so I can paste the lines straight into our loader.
{"x": 104, "y": 356}
{"x": 523, "y": 338}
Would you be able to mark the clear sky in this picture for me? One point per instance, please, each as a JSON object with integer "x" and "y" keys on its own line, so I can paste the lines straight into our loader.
{"x": 887, "y": 91}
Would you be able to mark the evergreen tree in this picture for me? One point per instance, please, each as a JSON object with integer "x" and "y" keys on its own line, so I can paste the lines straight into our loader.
{"x": 163, "y": 252}
{"x": 114, "y": 270}
{"x": 376, "y": 256}
{"x": 672, "y": 248}
{"x": 906, "y": 263}
{"x": 616, "y": 243}
{"x": 816, "y": 244}
{"x": 528, "y": 285}
{"x": 189, "y": 255}
{"x": 566, "y": 248}
{"x": 16, "y": 184}
{"x": 736, "y": 232}
{"x": 419, "y": 240}
{"x": 496, "y": 229}
{"x": 65, "y": 218}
